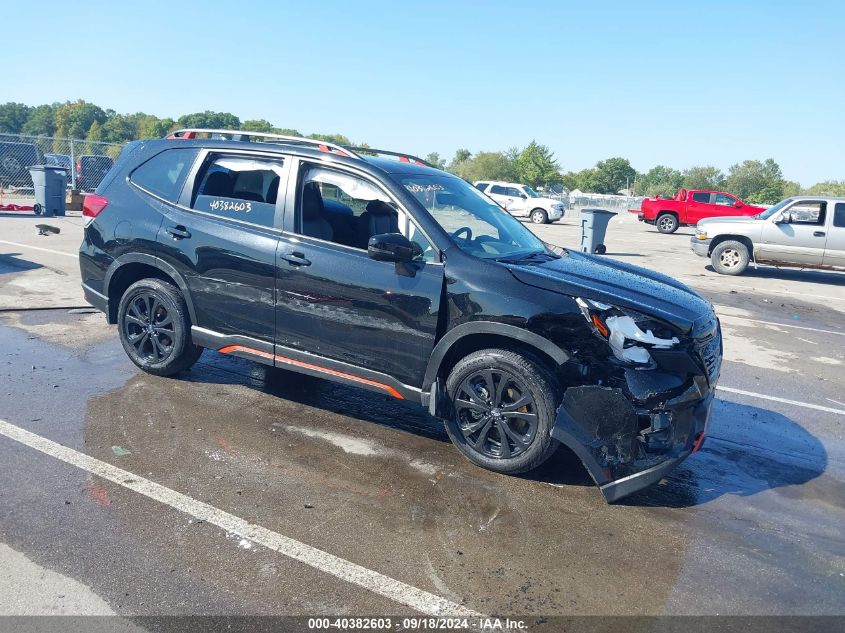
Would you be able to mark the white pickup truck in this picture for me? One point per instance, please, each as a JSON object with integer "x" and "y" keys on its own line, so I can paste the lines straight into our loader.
{"x": 803, "y": 232}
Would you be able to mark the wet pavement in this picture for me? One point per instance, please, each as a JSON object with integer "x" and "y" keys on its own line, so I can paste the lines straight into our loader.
{"x": 752, "y": 524}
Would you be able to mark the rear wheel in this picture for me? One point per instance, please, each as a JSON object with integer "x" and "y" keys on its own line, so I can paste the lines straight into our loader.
{"x": 155, "y": 328}
{"x": 539, "y": 216}
{"x": 503, "y": 410}
{"x": 667, "y": 223}
{"x": 730, "y": 257}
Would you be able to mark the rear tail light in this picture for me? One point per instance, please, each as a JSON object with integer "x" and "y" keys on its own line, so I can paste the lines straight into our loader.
{"x": 93, "y": 205}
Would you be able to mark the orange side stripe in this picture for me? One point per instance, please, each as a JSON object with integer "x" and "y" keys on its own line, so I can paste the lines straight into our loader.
{"x": 298, "y": 363}
{"x": 248, "y": 350}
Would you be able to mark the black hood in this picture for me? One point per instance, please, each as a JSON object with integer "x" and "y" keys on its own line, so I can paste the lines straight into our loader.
{"x": 620, "y": 284}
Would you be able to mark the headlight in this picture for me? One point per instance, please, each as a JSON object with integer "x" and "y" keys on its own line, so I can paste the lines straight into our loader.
{"x": 700, "y": 233}
{"x": 629, "y": 334}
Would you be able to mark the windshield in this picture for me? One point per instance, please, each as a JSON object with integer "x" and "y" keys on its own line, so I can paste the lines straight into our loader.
{"x": 477, "y": 225}
{"x": 772, "y": 210}
{"x": 531, "y": 193}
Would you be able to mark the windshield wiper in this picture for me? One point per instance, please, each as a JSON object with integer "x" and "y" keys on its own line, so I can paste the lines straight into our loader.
{"x": 533, "y": 256}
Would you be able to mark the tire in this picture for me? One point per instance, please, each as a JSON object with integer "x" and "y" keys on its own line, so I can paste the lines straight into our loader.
{"x": 11, "y": 167}
{"x": 539, "y": 216}
{"x": 476, "y": 427}
{"x": 667, "y": 223}
{"x": 171, "y": 350}
{"x": 730, "y": 257}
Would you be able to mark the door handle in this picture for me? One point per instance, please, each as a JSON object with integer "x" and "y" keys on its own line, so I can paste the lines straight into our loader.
{"x": 296, "y": 259}
{"x": 818, "y": 233}
{"x": 178, "y": 232}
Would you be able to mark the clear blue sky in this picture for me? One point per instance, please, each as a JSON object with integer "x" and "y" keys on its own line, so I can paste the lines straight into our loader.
{"x": 674, "y": 82}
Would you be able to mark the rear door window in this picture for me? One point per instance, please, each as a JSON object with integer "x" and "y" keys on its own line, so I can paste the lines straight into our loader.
{"x": 839, "y": 215}
{"x": 164, "y": 174}
{"x": 701, "y": 197}
{"x": 243, "y": 188}
{"x": 499, "y": 190}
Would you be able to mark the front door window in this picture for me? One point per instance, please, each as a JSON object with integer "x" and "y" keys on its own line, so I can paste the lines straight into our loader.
{"x": 346, "y": 209}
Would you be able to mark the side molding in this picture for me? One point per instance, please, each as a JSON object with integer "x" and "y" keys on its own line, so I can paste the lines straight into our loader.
{"x": 304, "y": 363}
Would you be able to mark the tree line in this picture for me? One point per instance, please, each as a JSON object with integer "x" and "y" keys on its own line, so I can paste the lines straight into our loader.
{"x": 86, "y": 121}
{"x": 754, "y": 181}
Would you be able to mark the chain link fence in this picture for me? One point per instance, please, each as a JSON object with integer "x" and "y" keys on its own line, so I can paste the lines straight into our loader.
{"x": 618, "y": 204}
{"x": 86, "y": 162}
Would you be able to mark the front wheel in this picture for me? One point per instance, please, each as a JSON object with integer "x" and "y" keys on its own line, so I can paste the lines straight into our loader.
{"x": 155, "y": 328}
{"x": 503, "y": 410}
{"x": 538, "y": 216}
{"x": 730, "y": 257}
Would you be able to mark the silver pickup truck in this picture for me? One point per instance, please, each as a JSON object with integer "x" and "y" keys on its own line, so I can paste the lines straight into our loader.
{"x": 804, "y": 232}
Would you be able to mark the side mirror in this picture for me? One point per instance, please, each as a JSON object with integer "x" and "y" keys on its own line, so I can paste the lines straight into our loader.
{"x": 738, "y": 204}
{"x": 392, "y": 247}
{"x": 523, "y": 196}
{"x": 785, "y": 218}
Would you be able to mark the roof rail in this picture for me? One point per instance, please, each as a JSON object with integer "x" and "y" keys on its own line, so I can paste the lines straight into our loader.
{"x": 244, "y": 135}
{"x": 403, "y": 157}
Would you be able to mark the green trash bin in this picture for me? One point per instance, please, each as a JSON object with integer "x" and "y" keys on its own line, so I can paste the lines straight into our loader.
{"x": 50, "y": 184}
{"x": 593, "y": 229}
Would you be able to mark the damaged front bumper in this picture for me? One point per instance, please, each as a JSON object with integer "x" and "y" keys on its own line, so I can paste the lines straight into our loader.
{"x": 627, "y": 444}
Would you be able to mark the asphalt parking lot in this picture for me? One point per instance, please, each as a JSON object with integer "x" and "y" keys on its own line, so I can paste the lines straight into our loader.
{"x": 239, "y": 489}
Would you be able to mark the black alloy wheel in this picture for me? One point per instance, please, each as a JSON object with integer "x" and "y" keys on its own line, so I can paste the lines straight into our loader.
{"x": 149, "y": 328}
{"x": 496, "y": 413}
{"x": 155, "y": 328}
{"x": 503, "y": 410}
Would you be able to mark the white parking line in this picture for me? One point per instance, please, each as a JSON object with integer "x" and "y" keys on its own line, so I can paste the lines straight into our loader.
{"x": 38, "y": 248}
{"x": 352, "y": 573}
{"x": 729, "y": 317}
{"x": 806, "y": 405}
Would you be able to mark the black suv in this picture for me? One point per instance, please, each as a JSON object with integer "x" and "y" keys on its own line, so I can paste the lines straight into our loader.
{"x": 372, "y": 268}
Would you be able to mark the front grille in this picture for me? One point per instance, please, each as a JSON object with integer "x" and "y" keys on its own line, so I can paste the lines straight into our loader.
{"x": 708, "y": 346}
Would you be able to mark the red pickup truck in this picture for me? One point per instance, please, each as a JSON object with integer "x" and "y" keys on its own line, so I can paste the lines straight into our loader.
{"x": 688, "y": 207}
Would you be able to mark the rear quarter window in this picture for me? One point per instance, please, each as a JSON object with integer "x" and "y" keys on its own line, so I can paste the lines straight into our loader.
{"x": 165, "y": 173}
